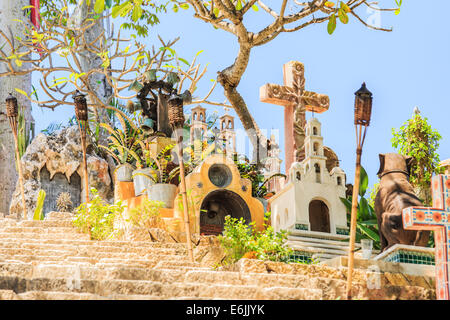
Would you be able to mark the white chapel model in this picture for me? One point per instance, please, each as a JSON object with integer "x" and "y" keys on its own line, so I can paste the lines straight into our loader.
{"x": 309, "y": 201}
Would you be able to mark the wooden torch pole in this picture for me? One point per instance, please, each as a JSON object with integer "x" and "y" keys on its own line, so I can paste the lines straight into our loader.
{"x": 176, "y": 119}
{"x": 184, "y": 197}
{"x": 83, "y": 146}
{"x": 363, "y": 110}
{"x": 354, "y": 213}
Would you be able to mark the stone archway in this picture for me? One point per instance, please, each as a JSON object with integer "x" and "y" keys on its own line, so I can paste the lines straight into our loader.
{"x": 216, "y": 206}
{"x": 319, "y": 216}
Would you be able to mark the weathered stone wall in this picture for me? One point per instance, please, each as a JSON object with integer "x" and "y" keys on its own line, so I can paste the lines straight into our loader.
{"x": 10, "y": 10}
{"x": 60, "y": 153}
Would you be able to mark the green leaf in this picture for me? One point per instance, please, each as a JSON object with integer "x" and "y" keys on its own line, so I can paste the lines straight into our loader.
{"x": 108, "y": 3}
{"x": 364, "y": 212}
{"x": 184, "y": 61}
{"x": 347, "y": 203}
{"x": 21, "y": 92}
{"x": 239, "y": 5}
{"x": 345, "y": 7}
{"x": 343, "y": 16}
{"x": 363, "y": 182}
{"x": 331, "y": 24}
{"x": 137, "y": 13}
{"x": 255, "y": 7}
{"x": 216, "y": 11}
{"x": 38, "y": 212}
{"x": 117, "y": 10}
{"x": 184, "y": 6}
{"x": 99, "y": 6}
{"x": 370, "y": 233}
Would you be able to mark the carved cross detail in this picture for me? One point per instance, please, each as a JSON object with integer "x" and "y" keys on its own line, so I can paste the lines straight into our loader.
{"x": 296, "y": 101}
{"x": 436, "y": 219}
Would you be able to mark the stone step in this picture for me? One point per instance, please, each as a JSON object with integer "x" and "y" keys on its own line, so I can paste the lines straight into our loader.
{"x": 252, "y": 279}
{"x": 323, "y": 242}
{"x": 47, "y": 295}
{"x": 20, "y": 229}
{"x": 178, "y": 264}
{"x": 77, "y": 242}
{"x": 317, "y": 245}
{"x": 89, "y": 252}
{"x": 203, "y": 275}
{"x": 312, "y": 249}
{"x": 148, "y": 261}
{"x": 110, "y": 288}
{"x": 46, "y": 223}
{"x": 58, "y": 216}
{"x": 42, "y": 236}
{"x": 87, "y": 249}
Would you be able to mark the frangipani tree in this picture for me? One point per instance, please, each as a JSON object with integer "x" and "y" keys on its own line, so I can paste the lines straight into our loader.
{"x": 54, "y": 51}
{"x": 287, "y": 16}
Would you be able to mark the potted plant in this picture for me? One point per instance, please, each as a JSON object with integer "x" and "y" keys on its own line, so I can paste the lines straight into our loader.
{"x": 143, "y": 176}
{"x": 162, "y": 189}
{"x": 123, "y": 148}
{"x": 251, "y": 171}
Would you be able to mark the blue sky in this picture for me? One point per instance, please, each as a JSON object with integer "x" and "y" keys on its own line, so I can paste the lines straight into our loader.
{"x": 404, "y": 68}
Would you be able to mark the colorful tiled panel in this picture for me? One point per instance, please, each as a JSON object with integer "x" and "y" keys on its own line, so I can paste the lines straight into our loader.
{"x": 404, "y": 256}
{"x": 300, "y": 226}
{"x": 342, "y": 231}
{"x": 436, "y": 219}
{"x": 301, "y": 257}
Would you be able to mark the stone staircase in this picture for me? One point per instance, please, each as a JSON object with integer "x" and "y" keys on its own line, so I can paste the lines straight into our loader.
{"x": 50, "y": 260}
{"x": 319, "y": 247}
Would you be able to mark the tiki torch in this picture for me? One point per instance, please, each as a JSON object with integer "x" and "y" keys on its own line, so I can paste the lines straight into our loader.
{"x": 176, "y": 120}
{"x": 363, "y": 110}
{"x": 12, "y": 112}
{"x": 81, "y": 113}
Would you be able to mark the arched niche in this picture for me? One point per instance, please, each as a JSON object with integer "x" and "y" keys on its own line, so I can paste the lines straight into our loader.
{"x": 216, "y": 206}
{"x": 319, "y": 216}
{"x": 58, "y": 184}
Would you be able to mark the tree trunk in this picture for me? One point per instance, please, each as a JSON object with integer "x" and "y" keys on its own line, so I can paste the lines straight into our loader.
{"x": 229, "y": 78}
{"x": 9, "y": 11}
{"x": 89, "y": 61}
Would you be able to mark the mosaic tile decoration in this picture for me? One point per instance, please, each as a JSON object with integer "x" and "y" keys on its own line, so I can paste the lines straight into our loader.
{"x": 343, "y": 231}
{"x": 406, "y": 256}
{"x": 437, "y": 220}
{"x": 301, "y": 257}
{"x": 300, "y": 226}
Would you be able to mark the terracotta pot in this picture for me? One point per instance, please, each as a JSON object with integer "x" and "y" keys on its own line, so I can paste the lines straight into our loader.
{"x": 124, "y": 172}
{"x": 163, "y": 192}
{"x": 142, "y": 180}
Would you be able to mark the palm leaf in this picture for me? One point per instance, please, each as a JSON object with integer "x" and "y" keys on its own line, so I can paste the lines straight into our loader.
{"x": 111, "y": 153}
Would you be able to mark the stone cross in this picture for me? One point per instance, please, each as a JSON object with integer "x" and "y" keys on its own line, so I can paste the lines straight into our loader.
{"x": 296, "y": 101}
{"x": 436, "y": 219}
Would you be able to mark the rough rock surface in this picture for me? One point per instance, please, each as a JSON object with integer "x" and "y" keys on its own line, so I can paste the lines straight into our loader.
{"x": 60, "y": 152}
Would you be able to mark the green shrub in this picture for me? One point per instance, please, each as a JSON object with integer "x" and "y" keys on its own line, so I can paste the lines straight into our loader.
{"x": 239, "y": 239}
{"x": 97, "y": 217}
{"x": 147, "y": 215}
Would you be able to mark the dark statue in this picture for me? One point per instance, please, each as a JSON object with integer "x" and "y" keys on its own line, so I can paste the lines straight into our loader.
{"x": 152, "y": 98}
{"x": 394, "y": 195}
